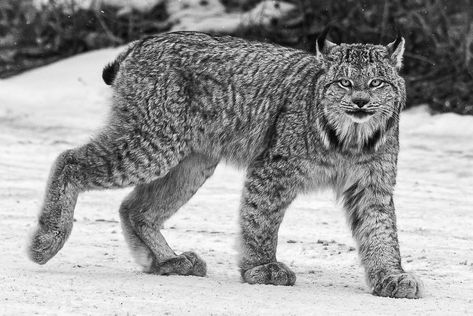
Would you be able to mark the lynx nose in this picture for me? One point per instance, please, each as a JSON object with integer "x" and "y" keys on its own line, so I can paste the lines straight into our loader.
{"x": 360, "y": 102}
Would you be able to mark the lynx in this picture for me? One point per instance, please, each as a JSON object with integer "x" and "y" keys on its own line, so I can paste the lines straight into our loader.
{"x": 297, "y": 121}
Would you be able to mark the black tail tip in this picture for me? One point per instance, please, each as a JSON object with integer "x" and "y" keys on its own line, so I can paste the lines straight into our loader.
{"x": 110, "y": 72}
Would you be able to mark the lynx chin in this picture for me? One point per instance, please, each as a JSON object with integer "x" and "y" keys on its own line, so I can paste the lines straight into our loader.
{"x": 183, "y": 102}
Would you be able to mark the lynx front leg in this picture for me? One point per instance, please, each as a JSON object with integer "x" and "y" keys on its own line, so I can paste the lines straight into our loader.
{"x": 269, "y": 189}
{"x": 370, "y": 207}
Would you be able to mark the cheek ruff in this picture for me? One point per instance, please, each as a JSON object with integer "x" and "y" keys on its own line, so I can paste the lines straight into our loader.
{"x": 345, "y": 132}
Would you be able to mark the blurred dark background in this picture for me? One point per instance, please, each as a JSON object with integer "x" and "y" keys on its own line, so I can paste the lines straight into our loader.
{"x": 438, "y": 64}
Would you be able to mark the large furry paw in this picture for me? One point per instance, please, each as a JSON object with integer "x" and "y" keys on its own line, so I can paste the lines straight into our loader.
{"x": 45, "y": 244}
{"x": 187, "y": 263}
{"x": 275, "y": 273}
{"x": 401, "y": 285}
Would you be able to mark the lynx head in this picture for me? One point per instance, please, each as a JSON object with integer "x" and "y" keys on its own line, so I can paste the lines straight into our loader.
{"x": 360, "y": 93}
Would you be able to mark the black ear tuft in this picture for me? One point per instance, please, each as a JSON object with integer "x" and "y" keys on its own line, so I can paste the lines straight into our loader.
{"x": 322, "y": 45}
{"x": 396, "y": 51}
{"x": 322, "y": 37}
{"x": 397, "y": 41}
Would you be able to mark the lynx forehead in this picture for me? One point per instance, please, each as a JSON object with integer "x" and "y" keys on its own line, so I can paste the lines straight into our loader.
{"x": 361, "y": 60}
{"x": 183, "y": 102}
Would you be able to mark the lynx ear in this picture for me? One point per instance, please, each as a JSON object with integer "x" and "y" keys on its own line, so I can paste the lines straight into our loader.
{"x": 396, "y": 51}
{"x": 322, "y": 45}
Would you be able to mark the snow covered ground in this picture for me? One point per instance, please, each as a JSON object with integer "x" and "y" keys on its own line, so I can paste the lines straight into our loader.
{"x": 56, "y": 107}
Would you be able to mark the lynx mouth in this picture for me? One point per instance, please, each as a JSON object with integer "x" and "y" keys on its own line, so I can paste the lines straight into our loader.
{"x": 359, "y": 116}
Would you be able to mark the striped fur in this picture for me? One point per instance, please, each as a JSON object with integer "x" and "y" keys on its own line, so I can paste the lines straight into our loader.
{"x": 185, "y": 101}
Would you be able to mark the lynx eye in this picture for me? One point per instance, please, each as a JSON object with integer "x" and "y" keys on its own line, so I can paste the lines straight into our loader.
{"x": 375, "y": 83}
{"x": 345, "y": 83}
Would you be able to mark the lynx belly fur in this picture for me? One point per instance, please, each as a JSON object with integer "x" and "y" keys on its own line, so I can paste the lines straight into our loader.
{"x": 185, "y": 101}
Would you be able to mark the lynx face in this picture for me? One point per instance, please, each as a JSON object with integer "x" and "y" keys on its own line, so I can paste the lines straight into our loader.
{"x": 361, "y": 93}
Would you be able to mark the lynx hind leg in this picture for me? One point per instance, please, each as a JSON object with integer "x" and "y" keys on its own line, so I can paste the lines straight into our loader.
{"x": 149, "y": 205}
{"x": 56, "y": 217}
{"x": 141, "y": 253}
{"x": 110, "y": 161}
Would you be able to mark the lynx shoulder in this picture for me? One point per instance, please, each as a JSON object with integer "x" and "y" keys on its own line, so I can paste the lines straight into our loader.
{"x": 185, "y": 101}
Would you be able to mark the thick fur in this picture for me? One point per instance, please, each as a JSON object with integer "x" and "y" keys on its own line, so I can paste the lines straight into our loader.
{"x": 185, "y": 101}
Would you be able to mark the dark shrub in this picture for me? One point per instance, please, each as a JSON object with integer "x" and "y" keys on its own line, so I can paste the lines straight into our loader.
{"x": 439, "y": 36}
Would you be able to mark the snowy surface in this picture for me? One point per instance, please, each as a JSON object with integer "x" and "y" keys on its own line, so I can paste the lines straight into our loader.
{"x": 59, "y": 106}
